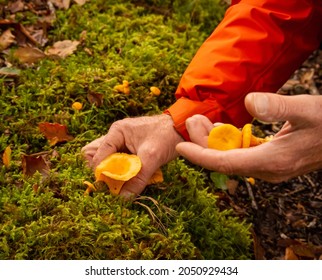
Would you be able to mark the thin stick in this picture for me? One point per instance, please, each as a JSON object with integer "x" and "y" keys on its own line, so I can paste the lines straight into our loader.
{"x": 251, "y": 195}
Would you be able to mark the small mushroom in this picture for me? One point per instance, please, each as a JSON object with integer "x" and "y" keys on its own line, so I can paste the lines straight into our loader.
{"x": 116, "y": 169}
{"x": 249, "y": 140}
{"x": 155, "y": 91}
{"x": 157, "y": 177}
{"x": 77, "y": 106}
{"x": 90, "y": 188}
{"x": 225, "y": 137}
{"x": 123, "y": 88}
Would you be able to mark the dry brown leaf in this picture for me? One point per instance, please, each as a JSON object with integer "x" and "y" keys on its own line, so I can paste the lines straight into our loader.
{"x": 304, "y": 250}
{"x": 80, "y": 2}
{"x": 95, "y": 98}
{"x": 33, "y": 163}
{"x": 28, "y": 55}
{"x": 6, "y": 157}
{"x": 54, "y": 132}
{"x": 289, "y": 254}
{"x": 259, "y": 251}
{"x": 61, "y": 4}
{"x": 232, "y": 186}
{"x": 6, "y": 39}
{"x": 21, "y": 33}
{"x": 16, "y": 6}
{"x": 63, "y": 48}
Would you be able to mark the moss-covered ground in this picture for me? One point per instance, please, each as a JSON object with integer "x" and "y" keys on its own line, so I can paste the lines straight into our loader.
{"x": 45, "y": 215}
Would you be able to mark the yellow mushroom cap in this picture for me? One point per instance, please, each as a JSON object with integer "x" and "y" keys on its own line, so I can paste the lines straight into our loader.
{"x": 225, "y": 137}
{"x": 250, "y": 140}
{"x": 157, "y": 177}
{"x": 116, "y": 169}
{"x": 247, "y": 135}
{"x": 155, "y": 91}
{"x": 77, "y": 106}
{"x": 126, "y": 83}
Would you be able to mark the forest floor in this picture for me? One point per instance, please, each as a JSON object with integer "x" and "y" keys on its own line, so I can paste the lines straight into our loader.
{"x": 285, "y": 217}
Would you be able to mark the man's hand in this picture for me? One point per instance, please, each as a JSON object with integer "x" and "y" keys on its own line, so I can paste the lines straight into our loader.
{"x": 153, "y": 139}
{"x": 295, "y": 150}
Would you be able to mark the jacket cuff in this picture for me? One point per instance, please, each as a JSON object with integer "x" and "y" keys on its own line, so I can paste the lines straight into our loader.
{"x": 184, "y": 108}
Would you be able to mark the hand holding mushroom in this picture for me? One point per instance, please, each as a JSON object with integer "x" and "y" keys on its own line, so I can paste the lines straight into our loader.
{"x": 296, "y": 149}
{"x": 153, "y": 139}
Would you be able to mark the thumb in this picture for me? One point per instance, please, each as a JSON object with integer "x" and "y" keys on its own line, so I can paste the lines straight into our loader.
{"x": 137, "y": 184}
{"x": 271, "y": 107}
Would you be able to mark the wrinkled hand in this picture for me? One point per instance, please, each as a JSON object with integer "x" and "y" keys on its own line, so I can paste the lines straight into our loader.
{"x": 295, "y": 150}
{"x": 152, "y": 138}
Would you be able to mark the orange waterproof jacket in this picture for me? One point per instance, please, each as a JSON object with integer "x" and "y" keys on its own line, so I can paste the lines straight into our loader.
{"x": 256, "y": 47}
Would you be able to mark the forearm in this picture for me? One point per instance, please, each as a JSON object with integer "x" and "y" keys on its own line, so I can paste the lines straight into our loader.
{"x": 256, "y": 47}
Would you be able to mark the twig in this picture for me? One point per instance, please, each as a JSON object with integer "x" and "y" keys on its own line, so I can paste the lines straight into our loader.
{"x": 251, "y": 195}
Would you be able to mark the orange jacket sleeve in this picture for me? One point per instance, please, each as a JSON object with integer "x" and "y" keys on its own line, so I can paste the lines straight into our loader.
{"x": 256, "y": 47}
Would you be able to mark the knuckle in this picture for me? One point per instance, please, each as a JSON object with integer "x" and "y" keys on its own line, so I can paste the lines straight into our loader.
{"x": 194, "y": 119}
{"x": 117, "y": 125}
{"x": 152, "y": 152}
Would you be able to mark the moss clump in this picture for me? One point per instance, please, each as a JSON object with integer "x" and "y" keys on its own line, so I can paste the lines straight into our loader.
{"x": 47, "y": 217}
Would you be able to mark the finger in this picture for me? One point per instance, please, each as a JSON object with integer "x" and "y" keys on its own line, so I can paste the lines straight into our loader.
{"x": 198, "y": 127}
{"x": 273, "y": 107}
{"x": 245, "y": 162}
{"x": 111, "y": 143}
{"x": 90, "y": 149}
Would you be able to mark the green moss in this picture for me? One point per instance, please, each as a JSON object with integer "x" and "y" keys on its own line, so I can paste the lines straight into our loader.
{"x": 147, "y": 43}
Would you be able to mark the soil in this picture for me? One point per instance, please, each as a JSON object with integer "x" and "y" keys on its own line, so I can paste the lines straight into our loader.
{"x": 286, "y": 217}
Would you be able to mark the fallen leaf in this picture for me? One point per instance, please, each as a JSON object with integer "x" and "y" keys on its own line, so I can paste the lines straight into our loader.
{"x": 304, "y": 250}
{"x": 95, "y": 98}
{"x": 54, "y": 132}
{"x": 28, "y": 55}
{"x": 232, "y": 186}
{"x": 21, "y": 34}
{"x": 259, "y": 251}
{"x": 9, "y": 72}
{"x": 289, "y": 254}
{"x": 16, "y": 6}
{"x": 80, "y": 2}
{"x": 6, "y": 39}
{"x": 61, "y": 4}
{"x": 63, "y": 48}
{"x": 6, "y": 157}
{"x": 33, "y": 163}
{"x": 219, "y": 180}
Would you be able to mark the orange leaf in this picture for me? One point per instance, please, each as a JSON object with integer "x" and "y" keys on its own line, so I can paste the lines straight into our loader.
{"x": 33, "y": 163}
{"x": 54, "y": 132}
{"x": 6, "y": 157}
{"x": 289, "y": 254}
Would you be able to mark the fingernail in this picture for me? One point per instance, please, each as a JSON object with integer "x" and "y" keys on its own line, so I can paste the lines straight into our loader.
{"x": 261, "y": 103}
